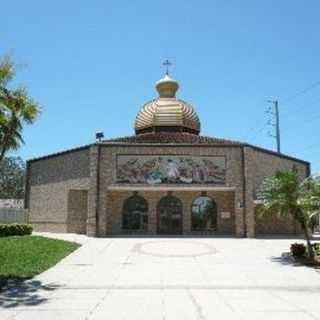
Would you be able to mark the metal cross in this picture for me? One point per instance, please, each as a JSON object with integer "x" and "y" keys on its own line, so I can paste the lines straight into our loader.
{"x": 167, "y": 64}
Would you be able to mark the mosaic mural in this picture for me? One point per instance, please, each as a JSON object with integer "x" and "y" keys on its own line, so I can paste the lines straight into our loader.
{"x": 171, "y": 169}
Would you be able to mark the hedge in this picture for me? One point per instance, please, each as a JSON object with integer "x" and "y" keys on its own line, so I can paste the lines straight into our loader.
{"x": 298, "y": 250}
{"x": 15, "y": 229}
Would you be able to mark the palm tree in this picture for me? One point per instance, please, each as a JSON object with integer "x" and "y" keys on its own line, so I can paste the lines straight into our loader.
{"x": 310, "y": 198}
{"x": 16, "y": 108}
{"x": 284, "y": 195}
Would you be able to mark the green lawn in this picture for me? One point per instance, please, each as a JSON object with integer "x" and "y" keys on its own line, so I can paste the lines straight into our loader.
{"x": 23, "y": 257}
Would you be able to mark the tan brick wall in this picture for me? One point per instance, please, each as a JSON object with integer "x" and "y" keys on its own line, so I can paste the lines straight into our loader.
{"x": 259, "y": 166}
{"x": 273, "y": 225}
{"x": 224, "y": 200}
{"x": 49, "y": 204}
{"x": 249, "y": 174}
{"x": 56, "y": 227}
{"x": 108, "y": 174}
{"x": 51, "y": 180}
{"x": 93, "y": 192}
{"x": 77, "y": 211}
{"x": 67, "y": 166}
{"x": 266, "y": 165}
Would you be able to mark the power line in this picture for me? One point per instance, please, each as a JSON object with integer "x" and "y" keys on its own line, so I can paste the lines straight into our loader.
{"x": 301, "y": 92}
{"x": 260, "y": 129}
{"x": 308, "y": 121}
{"x": 254, "y": 129}
{"x": 297, "y": 107}
{"x": 311, "y": 147}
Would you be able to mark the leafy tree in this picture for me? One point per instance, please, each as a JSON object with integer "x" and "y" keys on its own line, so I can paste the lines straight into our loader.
{"x": 284, "y": 195}
{"x": 16, "y": 108}
{"x": 310, "y": 199}
{"x": 12, "y": 175}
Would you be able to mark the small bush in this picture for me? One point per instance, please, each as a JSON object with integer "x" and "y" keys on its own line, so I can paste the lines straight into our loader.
{"x": 298, "y": 250}
{"x": 316, "y": 248}
{"x": 15, "y": 229}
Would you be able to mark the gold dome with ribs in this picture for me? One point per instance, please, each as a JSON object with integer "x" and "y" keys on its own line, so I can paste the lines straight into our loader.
{"x": 167, "y": 113}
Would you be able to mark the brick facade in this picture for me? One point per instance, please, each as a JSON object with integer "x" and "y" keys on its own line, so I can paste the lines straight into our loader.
{"x": 76, "y": 191}
{"x": 49, "y": 185}
{"x": 223, "y": 199}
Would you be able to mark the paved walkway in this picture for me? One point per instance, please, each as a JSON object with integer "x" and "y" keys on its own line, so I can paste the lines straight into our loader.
{"x": 161, "y": 278}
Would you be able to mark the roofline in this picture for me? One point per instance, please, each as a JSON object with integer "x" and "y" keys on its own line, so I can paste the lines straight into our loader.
{"x": 56, "y": 154}
{"x": 223, "y": 145}
{"x": 171, "y": 144}
{"x": 274, "y": 153}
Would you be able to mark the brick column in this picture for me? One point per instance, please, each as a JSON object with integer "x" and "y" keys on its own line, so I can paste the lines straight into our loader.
{"x": 186, "y": 214}
{"x": 152, "y": 218}
{"x": 92, "y": 196}
{"x": 238, "y": 209}
{"x": 249, "y": 188}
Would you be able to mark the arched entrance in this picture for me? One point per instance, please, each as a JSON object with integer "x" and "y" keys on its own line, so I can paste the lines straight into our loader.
{"x": 135, "y": 214}
{"x": 204, "y": 214}
{"x": 169, "y": 213}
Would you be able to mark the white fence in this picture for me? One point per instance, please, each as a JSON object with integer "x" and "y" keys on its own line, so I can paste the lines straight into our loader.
{"x": 13, "y": 215}
{"x": 12, "y": 211}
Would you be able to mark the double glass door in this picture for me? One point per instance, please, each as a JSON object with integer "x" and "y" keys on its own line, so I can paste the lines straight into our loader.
{"x": 169, "y": 213}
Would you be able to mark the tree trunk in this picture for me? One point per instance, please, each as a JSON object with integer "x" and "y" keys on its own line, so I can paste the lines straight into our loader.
{"x": 307, "y": 237}
{"x": 5, "y": 141}
{"x": 300, "y": 218}
{"x": 3, "y": 151}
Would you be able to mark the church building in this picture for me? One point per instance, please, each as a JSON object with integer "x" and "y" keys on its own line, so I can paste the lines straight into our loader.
{"x": 166, "y": 179}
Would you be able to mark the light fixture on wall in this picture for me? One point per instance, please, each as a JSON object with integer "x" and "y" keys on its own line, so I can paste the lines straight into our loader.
{"x": 99, "y": 136}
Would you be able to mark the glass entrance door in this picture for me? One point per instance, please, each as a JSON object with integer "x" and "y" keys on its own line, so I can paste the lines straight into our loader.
{"x": 169, "y": 213}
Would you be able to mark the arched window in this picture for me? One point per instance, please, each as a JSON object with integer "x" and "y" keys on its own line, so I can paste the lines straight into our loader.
{"x": 135, "y": 214}
{"x": 204, "y": 214}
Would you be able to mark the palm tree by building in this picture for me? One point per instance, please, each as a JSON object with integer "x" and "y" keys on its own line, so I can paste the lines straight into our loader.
{"x": 16, "y": 109}
{"x": 285, "y": 195}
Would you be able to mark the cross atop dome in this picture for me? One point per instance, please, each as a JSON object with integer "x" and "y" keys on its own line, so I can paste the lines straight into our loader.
{"x": 167, "y": 113}
{"x": 167, "y": 63}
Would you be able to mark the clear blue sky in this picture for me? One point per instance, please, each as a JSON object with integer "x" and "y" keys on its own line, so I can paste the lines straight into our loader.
{"x": 92, "y": 64}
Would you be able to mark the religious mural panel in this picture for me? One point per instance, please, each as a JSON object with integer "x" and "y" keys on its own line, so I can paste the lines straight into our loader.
{"x": 171, "y": 169}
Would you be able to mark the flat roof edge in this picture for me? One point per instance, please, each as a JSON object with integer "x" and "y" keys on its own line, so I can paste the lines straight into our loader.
{"x": 274, "y": 153}
{"x": 60, "y": 153}
{"x": 110, "y": 144}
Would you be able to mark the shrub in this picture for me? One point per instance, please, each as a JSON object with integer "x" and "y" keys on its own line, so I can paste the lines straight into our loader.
{"x": 298, "y": 250}
{"x": 15, "y": 229}
{"x": 316, "y": 248}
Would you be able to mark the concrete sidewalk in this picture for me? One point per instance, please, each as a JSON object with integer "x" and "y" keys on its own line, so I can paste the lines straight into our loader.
{"x": 169, "y": 278}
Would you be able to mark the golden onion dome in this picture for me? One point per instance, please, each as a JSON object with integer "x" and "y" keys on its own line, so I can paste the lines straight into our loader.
{"x": 167, "y": 113}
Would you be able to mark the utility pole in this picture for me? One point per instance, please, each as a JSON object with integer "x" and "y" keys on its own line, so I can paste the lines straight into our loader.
{"x": 275, "y": 123}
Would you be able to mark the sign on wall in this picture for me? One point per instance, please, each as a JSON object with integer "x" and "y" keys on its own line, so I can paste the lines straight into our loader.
{"x": 171, "y": 169}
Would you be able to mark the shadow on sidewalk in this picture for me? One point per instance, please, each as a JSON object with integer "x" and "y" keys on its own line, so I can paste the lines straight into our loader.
{"x": 287, "y": 260}
{"x": 18, "y": 292}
